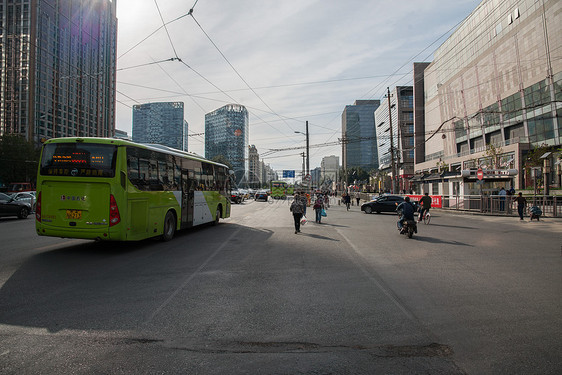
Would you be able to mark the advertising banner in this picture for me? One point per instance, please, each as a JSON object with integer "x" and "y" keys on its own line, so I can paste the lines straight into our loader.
{"x": 436, "y": 200}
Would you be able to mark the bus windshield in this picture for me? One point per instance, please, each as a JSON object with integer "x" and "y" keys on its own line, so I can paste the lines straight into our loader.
{"x": 79, "y": 160}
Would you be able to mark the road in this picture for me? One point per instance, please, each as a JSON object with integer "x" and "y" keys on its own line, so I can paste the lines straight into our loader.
{"x": 467, "y": 295}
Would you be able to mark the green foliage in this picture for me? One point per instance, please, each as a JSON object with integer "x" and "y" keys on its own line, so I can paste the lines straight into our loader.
{"x": 534, "y": 156}
{"x": 19, "y": 159}
{"x": 494, "y": 153}
{"x": 356, "y": 173}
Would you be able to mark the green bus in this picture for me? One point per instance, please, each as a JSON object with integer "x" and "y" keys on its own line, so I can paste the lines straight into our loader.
{"x": 112, "y": 189}
{"x": 278, "y": 189}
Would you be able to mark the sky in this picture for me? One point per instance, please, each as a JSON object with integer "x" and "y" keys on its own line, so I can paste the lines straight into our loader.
{"x": 287, "y": 62}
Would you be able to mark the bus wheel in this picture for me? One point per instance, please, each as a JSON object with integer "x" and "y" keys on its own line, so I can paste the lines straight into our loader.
{"x": 218, "y": 216}
{"x": 169, "y": 226}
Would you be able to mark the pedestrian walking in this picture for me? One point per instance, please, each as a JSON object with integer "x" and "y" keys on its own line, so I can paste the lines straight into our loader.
{"x": 297, "y": 208}
{"x": 318, "y": 207}
{"x": 346, "y": 200}
{"x": 509, "y": 195}
{"x": 304, "y": 201}
{"x": 357, "y": 197}
{"x": 502, "y": 195}
{"x": 521, "y": 204}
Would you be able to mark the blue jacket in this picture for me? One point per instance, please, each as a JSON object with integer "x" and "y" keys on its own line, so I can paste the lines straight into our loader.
{"x": 407, "y": 210}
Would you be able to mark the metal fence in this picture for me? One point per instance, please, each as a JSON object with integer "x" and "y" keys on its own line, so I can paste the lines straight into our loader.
{"x": 502, "y": 205}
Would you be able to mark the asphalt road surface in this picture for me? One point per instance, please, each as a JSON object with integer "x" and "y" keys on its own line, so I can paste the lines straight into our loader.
{"x": 467, "y": 295}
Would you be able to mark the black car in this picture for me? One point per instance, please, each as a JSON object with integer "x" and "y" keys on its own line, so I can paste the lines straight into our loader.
{"x": 384, "y": 203}
{"x": 261, "y": 195}
{"x": 11, "y": 207}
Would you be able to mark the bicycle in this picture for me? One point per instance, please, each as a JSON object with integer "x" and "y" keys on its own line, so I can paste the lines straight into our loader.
{"x": 426, "y": 218}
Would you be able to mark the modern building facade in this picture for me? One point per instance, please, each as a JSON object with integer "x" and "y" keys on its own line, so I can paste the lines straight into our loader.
{"x": 227, "y": 134}
{"x": 254, "y": 168}
{"x": 329, "y": 167}
{"x": 57, "y": 68}
{"x": 161, "y": 123}
{"x": 359, "y": 146}
{"x": 400, "y": 105}
{"x": 497, "y": 80}
{"x": 121, "y": 134}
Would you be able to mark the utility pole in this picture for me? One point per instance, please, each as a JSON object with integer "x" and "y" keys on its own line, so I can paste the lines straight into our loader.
{"x": 392, "y": 169}
{"x": 307, "y": 151}
{"x": 303, "y": 169}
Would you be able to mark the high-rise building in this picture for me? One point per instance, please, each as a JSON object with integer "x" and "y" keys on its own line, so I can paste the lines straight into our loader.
{"x": 359, "y": 137}
{"x": 57, "y": 71}
{"x": 330, "y": 166}
{"x": 402, "y": 112}
{"x": 492, "y": 94}
{"x": 227, "y": 135}
{"x": 255, "y": 174}
{"x": 161, "y": 123}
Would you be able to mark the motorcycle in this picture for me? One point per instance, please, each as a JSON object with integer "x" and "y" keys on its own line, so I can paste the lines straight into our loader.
{"x": 535, "y": 213}
{"x": 409, "y": 227}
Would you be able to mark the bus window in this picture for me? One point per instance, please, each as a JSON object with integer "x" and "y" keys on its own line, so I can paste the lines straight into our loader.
{"x": 162, "y": 175}
{"x": 143, "y": 175}
{"x": 78, "y": 160}
{"x": 177, "y": 176}
{"x": 133, "y": 169}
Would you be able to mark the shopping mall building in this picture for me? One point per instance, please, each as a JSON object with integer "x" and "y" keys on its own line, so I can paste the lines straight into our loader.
{"x": 492, "y": 95}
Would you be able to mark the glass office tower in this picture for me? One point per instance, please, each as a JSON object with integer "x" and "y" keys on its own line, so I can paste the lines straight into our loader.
{"x": 160, "y": 123}
{"x": 226, "y": 134}
{"x": 57, "y": 71}
{"x": 360, "y": 139}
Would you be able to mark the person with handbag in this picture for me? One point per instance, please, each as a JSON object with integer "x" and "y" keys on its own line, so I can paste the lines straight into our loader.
{"x": 318, "y": 207}
{"x": 297, "y": 208}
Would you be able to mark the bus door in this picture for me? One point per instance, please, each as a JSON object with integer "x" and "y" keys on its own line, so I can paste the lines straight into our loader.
{"x": 187, "y": 189}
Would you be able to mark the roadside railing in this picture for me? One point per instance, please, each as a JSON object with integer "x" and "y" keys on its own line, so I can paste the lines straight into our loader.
{"x": 551, "y": 206}
{"x": 501, "y": 204}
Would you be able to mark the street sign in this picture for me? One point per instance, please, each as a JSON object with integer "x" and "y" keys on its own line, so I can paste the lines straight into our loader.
{"x": 308, "y": 177}
{"x": 479, "y": 174}
{"x": 288, "y": 173}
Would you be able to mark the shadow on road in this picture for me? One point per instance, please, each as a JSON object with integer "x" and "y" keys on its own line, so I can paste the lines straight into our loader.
{"x": 109, "y": 285}
{"x": 317, "y": 236}
{"x": 451, "y": 226}
{"x": 441, "y": 241}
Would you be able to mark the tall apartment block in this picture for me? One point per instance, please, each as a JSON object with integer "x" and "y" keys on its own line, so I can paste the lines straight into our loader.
{"x": 254, "y": 168}
{"x": 330, "y": 166}
{"x": 401, "y": 110}
{"x": 227, "y": 134}
{"x": 497, "y": 80}
{"x": 359, "y": 146}
{"x": 57, "y": 68}
{"x": 162, "y": 123}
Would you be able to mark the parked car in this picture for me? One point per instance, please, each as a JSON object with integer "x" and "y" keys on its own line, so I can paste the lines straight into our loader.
{"x": 17, "y": 187}
{"x": 236, "y": 196}
{"x": 384, "y": 203}
{"x": 28, "y": 197}
{"x": 11, "y": 207}
{"x": 261, "y": 195}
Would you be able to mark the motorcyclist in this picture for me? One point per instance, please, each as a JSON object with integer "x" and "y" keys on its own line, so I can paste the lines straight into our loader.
{"x": 407, "y": 212}
{"x": 425, "y": 205}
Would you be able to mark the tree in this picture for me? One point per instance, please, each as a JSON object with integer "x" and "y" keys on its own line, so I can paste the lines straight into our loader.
{"x": 19, "y": 159}
{"x": 494, "y": 154}
{"x": 356, "y": 173}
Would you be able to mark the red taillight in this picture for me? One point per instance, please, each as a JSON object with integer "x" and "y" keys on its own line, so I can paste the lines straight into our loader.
{"x": 38, "y": 208}
{"x": 114, "y": 217}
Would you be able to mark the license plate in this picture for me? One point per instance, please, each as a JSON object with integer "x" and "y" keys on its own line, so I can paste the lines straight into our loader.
{"x": 73, "y": 214}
